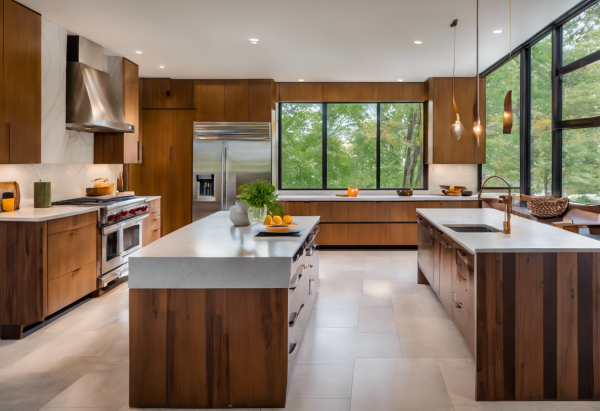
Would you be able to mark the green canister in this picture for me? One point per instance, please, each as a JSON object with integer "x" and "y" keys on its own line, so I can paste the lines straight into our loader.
{"x": 41, "y": 195}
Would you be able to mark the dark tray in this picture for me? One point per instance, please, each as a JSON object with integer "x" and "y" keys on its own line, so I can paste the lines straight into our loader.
{"x": 263, "y": 234}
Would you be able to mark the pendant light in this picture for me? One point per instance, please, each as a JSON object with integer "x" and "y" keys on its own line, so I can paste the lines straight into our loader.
{"x": 507, "y": 123}
{"x": 477, "y": 129}
{"x": 456, "y": 129}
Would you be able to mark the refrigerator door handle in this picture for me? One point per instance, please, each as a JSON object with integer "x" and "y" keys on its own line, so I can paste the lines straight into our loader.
{"x": 223, "y": 157}
{"x": 227, "y": 176}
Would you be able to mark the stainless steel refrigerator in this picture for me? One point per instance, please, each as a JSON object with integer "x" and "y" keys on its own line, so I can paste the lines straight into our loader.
{"x": 227, "y": 155}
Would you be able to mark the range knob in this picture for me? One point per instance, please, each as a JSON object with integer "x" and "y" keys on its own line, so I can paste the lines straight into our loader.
{"x": 111, "y": 217}
{"x": 132, "y": 211}
{"x": 144, "y": 208}
{"x": 117, "y": 217}
{"x": 124, "y": 213}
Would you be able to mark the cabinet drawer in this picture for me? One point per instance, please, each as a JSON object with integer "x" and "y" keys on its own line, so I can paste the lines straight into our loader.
{"x": 71, "y": 223}
{"x": 404, "y": 234}
{"x": 369, "y": 234}
{"x": 154, "y": 213}
{"x": 333, "y": 234}
{"x": 369, "y": 212}
{"x": 154, "y": 204}
{"x": 297, "y": 208}
{"x": 331, "y": 211}
{"x": 405, "y": 211}
{"x": 70, "y": 250}
{"x": 155, "y": 223}
{"x": 155, "y": 235}
{"x": 71, "y": 287}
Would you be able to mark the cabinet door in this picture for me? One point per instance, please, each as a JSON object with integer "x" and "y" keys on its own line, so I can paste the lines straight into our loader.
{"x": 261, "y": 100}
{"x": 151, "y": 227}
{"x": 463, "y": 291}
{"x": 71, "y": 287}
{"x": 22, "y": 85}
{"x": 331, "y": 211}
{"x": 425, "y": 256}
{"x": 404, "y": 234}
{"x": 297, "y": 208}
{"x": 131, "y": 108}
{"x": 333, "y": 234}
{"x": 369, "y": 211}
{"x": 436, "y": 261}
{"x": 209, "y": 100}
{"x": 71, "y": 250}
{"x": 155, "y": 93}
{"x": 182, "y": 93}
{"x": 405, "y": 211}
{"x": 236, "y": 100}
{"x": 369, "y": 234}
{"x": 445, "y": 271}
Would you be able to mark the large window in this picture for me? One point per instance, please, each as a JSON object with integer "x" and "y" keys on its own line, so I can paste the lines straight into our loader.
{"x": 366, "y": 145}
{"x": 502, "y": 150}
{"x": 556, "y": 150}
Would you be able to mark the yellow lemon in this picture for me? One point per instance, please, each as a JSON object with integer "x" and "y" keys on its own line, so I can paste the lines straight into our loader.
{"x": 268, "y": 220}
{"x": 287, "y": 219}
{"x": 451, "y": 189}
{"x": 277, "y": 220}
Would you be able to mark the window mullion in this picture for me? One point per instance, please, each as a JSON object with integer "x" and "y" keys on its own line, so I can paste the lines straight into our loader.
{"x": 557, "y": 46}
{"x": 378, "y": 159}
{"x": 324, "y": 160}
{"x": 525, "y": 121}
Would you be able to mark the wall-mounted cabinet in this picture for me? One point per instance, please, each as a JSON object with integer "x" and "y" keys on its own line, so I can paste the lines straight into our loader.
{"x": 209, "y": 100}
{"x": 167, "y": 93}
{"x": 350, "y": 92}
{"x": 123, "y": 148}
{"x": 21, "y": 84}
{"x": 440, "y": 147}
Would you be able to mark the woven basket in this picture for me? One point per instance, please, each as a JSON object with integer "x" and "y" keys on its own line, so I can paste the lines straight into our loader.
{"x": 548, "y": 207}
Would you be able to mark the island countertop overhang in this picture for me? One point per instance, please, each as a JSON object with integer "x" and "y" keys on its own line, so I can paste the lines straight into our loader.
{"x": 526, "y": 236}
{"x": 213, "y": 253}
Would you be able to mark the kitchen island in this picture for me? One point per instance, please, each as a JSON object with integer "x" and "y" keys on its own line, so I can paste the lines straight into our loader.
{"x": 217, "y": 315}
{"x": 527, "y": 303}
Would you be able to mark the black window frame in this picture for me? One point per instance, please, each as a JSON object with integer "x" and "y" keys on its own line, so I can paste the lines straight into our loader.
{"x": 558, "y": 124}
{"x": 425, "y": 172}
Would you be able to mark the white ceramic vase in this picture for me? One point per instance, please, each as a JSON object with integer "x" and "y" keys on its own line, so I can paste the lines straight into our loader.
{"x": 239, "y": 214}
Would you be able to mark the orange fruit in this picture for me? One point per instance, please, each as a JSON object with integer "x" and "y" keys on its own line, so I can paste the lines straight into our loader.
{"x": 287, "y": 219}
{"x": 277, "y": 220}
{"x": 268, "y": 220}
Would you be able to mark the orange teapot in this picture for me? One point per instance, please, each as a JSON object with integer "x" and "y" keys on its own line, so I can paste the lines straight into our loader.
{"x": 352, "y": 191}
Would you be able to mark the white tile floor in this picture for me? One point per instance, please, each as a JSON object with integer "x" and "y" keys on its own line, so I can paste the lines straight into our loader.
{"x": 376, "y": 341}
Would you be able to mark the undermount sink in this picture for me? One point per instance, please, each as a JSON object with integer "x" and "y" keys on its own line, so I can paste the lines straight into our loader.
{"x": 472, "y": 228}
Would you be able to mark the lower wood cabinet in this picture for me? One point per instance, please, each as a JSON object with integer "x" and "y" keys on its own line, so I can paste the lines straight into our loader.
{"x": 369, "y": 223}
{"x": 151, "y": 226}
{"x": 72, "y": 286}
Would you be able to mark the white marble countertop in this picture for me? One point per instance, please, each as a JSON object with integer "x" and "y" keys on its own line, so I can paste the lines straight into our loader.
{"x": 374, "y": 197}
{"x": 213, "y": 253}
{"x": 27, "y": 213}
{"x": 526, "y": 235}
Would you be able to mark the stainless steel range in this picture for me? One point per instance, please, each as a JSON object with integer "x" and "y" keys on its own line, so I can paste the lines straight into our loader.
{"x": 119, "y": 232}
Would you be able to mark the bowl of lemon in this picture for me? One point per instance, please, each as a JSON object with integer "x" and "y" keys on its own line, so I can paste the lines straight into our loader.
{"x": 277, "y": 224}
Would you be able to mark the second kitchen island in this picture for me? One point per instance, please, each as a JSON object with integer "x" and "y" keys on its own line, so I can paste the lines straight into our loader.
{"x": 217, "y": 315}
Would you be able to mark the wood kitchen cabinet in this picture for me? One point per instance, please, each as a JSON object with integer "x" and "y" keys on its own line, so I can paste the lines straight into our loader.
{"x": 44, "y": 267}
{"x": 261, "y": 101}
{"x": 209, "y": 100}
{"x": 167, "y": 167}
{"x": 167, "y": 93}
{"x": 463, "y": 294}
{"x": 21, "y": 85}
{"x": 446, "y": 253}
{"x": 439, "y": 146}
{"x": 123, "y": 148}
{"x": 426, "y": 242}
{"x": 151, "y": 225}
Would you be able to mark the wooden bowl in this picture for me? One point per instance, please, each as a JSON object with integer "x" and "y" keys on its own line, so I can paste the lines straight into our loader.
{"x": 404, "y": 193}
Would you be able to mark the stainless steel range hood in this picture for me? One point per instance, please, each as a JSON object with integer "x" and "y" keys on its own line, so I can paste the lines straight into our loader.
{"x": 93, "y": 103}
{"x": 232, "y": 131}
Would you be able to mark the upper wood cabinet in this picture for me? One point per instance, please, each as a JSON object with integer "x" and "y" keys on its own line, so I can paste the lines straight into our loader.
{"x": 261, "y": 100}
{"x": 209, "y": 100}
{"x": 308, "y": 92}
{"x": 440, "y": 147}
{"x": 236, "y": 100}
{"x": 350, "y": 92}
{"x": 21, "y": 82}
{"x": 123, "y": 148}
{"x": 167, "y": 93}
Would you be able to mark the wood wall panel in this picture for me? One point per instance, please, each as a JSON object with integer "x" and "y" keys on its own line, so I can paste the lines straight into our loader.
{"x": 147, "y": 348}
{"x": 301, "y": 92}
{"x": 154, "y": 93}
{"x": 177, "y": 204}
{"x": 547, "y": 350}
{"x": 402, "y": 92}
{"x": 236, "y": 100}
{"x": 209, "y": 100}
{"x": 350, "y": 92}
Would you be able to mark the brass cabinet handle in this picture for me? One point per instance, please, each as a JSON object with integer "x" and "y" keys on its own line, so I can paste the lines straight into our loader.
{"x": 156, "y": 229}
{"x": 74, "y": 232}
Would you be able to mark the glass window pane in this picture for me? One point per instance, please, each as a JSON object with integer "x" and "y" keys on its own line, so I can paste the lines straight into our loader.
{"x": 351, "y": 145}
{"x": 581, "y": 97}
{"x": 401, "y": 145}
{"x": 502, "y": 150}
{"x": 541, "y": 117}
{"x": 581, "y": 35}
{"x": 301, "y": 145}
{"x": 581, "y": 168}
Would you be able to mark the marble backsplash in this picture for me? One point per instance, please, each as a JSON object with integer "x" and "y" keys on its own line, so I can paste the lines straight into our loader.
{"x": 67, "y": 180}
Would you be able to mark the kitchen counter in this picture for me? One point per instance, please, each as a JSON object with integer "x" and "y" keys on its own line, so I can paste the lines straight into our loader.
{"x": 526, "y": 235}
{"x": 374, "y": 197}
{"x": 34, "y": 215}
{"x": 213, "y": 253}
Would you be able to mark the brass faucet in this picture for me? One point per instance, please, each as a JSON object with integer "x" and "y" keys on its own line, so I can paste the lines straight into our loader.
{"x": 507, "y": 201}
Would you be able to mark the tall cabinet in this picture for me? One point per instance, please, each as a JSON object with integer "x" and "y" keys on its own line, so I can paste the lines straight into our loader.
{"x": 167, "y": 167}
{"x": 21, "y": 84}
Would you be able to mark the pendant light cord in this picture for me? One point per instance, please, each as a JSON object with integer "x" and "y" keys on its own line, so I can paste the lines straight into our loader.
{"x": 477, "y": 56}
{"x": 510, "y": 41}
{"x": 454, "y": 62}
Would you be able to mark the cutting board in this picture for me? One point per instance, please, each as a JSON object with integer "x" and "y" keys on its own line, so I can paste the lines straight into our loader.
{"x": 13, "y": 187}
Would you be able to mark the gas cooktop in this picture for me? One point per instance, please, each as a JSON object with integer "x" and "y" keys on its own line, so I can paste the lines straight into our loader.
{"x": 101, "y": 200}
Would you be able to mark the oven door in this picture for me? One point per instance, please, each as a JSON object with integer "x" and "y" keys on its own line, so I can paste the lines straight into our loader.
{"x": 131, "y": 236}
{"x": 111, "y": 248}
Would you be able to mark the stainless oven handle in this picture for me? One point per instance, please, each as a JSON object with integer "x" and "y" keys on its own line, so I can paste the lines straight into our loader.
{"x": 111, "y": 229}
{"x": 133, "y": 221}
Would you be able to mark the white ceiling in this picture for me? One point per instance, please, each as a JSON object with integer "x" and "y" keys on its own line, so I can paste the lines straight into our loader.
{"x": 314, "y": 40}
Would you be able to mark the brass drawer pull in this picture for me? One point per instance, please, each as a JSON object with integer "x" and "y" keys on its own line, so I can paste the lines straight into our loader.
{"x": 156, "y": 229}
{"x": 74, "y": 232}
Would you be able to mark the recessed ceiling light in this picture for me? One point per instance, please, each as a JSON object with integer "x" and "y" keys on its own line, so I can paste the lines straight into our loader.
{"x": 253, "y": 41}
{"x": 161, "y": 66}
{"x": 138, "y": 52}
{"x": 400, "y": 79}
{"x": 418, "y": 42}
{"x": 301, "y": 79}
{"x": 497, "y": 31}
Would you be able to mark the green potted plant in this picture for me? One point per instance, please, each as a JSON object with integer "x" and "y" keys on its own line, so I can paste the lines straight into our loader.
{"x": 261, "y": 196}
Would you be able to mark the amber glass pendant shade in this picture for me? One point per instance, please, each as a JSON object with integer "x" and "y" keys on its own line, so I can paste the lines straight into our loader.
{"x": 477, "y": 130}
{"x": 507, "y": 123}
{"x": 456, "y": 129}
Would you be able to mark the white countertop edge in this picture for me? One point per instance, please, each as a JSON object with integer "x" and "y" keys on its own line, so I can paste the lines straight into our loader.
{"x": 374, "y": 197}
{"x": 475, "y": 250}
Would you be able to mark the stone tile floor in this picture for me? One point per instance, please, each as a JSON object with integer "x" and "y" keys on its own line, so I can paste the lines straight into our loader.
{"x": 376, "y": 341}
